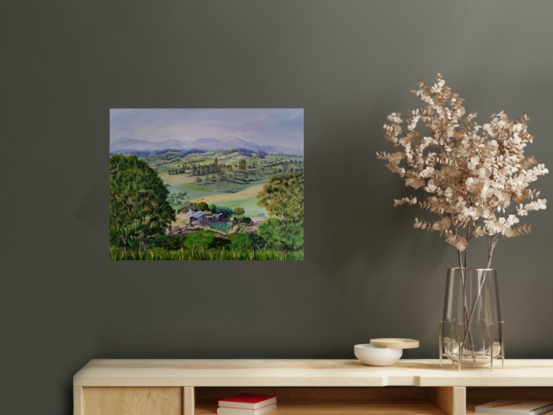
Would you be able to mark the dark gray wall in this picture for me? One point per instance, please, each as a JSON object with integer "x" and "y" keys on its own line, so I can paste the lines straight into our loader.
{"x": 349, "y": 64}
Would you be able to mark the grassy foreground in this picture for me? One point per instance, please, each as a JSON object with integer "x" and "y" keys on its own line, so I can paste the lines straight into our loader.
{"x": 182, "y": 254}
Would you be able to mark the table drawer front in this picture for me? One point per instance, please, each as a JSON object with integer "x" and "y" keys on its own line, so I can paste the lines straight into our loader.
{"x": 132, "y": 401}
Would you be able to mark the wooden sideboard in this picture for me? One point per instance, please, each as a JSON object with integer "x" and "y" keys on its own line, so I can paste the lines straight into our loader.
{"x": 322, "y": 387}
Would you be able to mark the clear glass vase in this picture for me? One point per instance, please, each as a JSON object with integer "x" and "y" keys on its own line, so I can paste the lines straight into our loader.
{"x": 471, "y": 331}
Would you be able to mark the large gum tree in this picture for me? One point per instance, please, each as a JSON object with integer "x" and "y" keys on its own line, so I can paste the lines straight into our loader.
{"x": 139, "y": 209}
{"x": 283, "y": 197}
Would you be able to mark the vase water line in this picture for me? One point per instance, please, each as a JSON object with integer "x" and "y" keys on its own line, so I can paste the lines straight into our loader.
{"x": 472, "y": 332}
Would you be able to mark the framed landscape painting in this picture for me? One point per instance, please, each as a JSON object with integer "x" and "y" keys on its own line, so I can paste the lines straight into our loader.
{"x": 206, "y": 184}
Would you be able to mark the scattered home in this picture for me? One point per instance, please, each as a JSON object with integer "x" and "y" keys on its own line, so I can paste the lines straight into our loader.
{"x": 174, "y": 230}
{"x": 198, "y": 217}
{"x": 217, "y": 216}
{"x": 189, "y": 214}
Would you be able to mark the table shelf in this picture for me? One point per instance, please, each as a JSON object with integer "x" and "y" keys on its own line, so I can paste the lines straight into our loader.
{"x": 334, "y": 408}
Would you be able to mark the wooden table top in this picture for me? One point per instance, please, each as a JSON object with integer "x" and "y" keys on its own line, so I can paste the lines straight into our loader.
{"x": 305, "y": 373}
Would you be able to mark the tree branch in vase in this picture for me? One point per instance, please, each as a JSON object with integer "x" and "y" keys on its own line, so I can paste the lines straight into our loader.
{"x": 475, "y": 177}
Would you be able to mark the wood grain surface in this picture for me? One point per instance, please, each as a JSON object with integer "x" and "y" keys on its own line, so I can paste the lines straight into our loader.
{"x": 189, "y": 400}
{"x": 77, "y": 400}
{"x": 302, "y": 373}
{"x": 450, "y": 400}
{"x": 132, "y": 401}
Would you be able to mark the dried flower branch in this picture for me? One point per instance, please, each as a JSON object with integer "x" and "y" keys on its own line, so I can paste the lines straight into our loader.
{"x": 475, "y": 178}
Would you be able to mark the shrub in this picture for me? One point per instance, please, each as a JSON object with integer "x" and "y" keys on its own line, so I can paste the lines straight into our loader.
{"x": 219, "y": 243}
{"x": 226, "y": 211}
{"x": 239, "y": 240}
{"x": 161, "y": 241}
{"x": 175, "y": 242}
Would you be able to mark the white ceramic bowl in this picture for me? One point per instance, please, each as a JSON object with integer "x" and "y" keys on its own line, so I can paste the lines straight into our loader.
{"x": 376, "y": 356}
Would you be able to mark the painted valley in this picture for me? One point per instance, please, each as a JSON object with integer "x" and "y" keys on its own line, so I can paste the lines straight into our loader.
{"x": 206, "y": 184}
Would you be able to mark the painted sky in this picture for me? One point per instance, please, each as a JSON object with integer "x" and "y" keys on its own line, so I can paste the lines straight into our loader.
{"x": 274, "y": 126}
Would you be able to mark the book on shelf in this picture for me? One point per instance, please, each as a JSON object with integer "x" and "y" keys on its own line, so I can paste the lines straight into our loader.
{"x": 243, "y": 411}
{"x": 247, "y": 401}
{"x": 247, "y": 404}
{"x": 515, "y": 407}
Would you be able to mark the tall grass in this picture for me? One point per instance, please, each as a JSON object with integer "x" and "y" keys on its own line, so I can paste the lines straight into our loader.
{"x": 224, "y": 254}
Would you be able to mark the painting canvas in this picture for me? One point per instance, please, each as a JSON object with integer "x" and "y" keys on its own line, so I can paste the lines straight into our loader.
{"x": 206, "y": 184}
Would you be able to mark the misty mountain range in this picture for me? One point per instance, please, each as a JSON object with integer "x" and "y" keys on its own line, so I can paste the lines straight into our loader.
{"x": 210, "y": 144}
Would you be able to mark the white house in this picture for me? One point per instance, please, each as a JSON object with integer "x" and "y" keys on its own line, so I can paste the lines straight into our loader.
{"x": 189, "y": 214}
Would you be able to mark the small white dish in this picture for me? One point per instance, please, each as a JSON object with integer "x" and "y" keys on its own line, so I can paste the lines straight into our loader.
{"x": 376, "y": 356}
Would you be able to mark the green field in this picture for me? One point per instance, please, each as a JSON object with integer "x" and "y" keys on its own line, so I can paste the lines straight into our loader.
{"x": 120, "y": 254}
{"x": 196, "y": 191}
{"x": 231, "y": 194}
{"x": 249, "y": 205}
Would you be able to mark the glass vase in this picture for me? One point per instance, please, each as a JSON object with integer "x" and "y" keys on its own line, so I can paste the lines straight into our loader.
{"x": 471, "y": 332}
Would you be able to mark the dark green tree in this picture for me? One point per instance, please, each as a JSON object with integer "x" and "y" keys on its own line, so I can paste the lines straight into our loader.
{"x": 213, "y": 208}
{"x": 226, "y": 211}
{"x": 242, "y": 165}
{"x": 139, "y": 209}
{"x": 256, "y": 240}
{"x": 239, "y": 211}
{"x": 202, "y": 206}
{"x": 219, "y": 243}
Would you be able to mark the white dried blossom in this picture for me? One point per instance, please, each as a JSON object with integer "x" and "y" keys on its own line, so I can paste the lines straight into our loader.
{"x": 474, "y": 177}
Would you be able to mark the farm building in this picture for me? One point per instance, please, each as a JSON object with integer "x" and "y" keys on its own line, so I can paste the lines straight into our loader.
{"x": 198, "y": 217}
